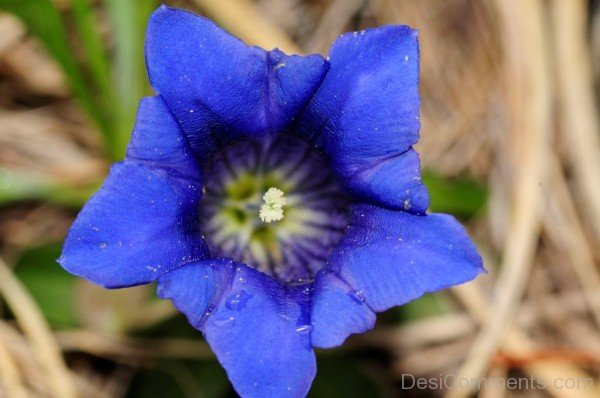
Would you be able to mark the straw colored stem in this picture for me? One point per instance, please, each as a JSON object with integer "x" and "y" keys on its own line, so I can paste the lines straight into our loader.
{"x": 566, "y": 231}
{"x": 35, "y": 327}
{"x": 581, "y": 118}
{"x": 527, "y": 56}
{"x": 332, "y": 24}
{"x": 242, "y": 19}
{"x": 10, "y": 378}
{"x": 515, "y": 342}
{"x": 131, "y": 348}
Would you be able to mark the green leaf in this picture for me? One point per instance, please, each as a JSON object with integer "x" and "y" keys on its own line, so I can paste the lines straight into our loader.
{"x": 462, "y": 197}
{"x": 128, "y": 19}
{"x": 93, "y": 47}
{"x": 16, "y": 186}
{"x": 44, "y": 20}
{"x": 429, "y": 305}
{"x": 50, "y": 285}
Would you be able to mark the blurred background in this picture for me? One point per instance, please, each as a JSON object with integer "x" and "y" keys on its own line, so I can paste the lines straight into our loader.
{"x": 510, "y": 145}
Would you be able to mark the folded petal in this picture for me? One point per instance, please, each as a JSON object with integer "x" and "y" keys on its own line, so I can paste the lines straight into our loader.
{"x": 337, "y": 311}
{"x": 157, "y": 140}
{"x": 140, "y": 224}
{"x": 258, "y": 329}
{"x": 366, "y": 113}
{"x": 218, "y": 88}
{"x": 393, "y": 182}
{"x": 195, "y": 287}
{"x": 393, "y": 257}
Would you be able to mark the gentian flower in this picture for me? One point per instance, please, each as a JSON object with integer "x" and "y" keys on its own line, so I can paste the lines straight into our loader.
{"x": 275, "y": 199}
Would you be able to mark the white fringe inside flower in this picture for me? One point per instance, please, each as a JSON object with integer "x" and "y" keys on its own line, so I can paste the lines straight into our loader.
{"x": 272, "y": 209}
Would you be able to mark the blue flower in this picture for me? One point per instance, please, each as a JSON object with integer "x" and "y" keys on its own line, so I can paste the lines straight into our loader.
{"x": 321, "y": 150}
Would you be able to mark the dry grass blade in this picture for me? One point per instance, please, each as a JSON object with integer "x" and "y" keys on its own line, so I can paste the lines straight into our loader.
{"x": 32, "y": 322}
{"x": 566, "y": 231}
{"x": 332, "y": 24}
{"x": 581, "y": 128}
{"x": 432, "y": 360}
{"x": 526, "y": 49}
{"x": 563, "y": 306}
{"x": 11, "y": 383}
{"x": 132, "y": 348}
{"x": 498, "y": 373}
{"x": 242, "y": 19}
{"x": 36, "y": 377}
{"x": 517, "y": 343}
{"x": 11, "y": 32}
{"x": 419, "y": 334}
{"x": 40, "y": 143}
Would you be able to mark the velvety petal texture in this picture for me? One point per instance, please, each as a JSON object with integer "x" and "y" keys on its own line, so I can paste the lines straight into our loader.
{"x": 140, "y": 224}
{"x": 158, "y": 142}
{"x": 337, "y": 311}
{"x": 393, "y": 257}
{"x": 218, "y": 88}
{"x": 365, "y": 115}
{"x": 394, "y": 182}
{"x": 258, "y": 328}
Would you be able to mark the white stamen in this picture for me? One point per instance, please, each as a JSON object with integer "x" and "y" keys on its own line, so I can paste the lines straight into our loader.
{"x": 272, "y": 209}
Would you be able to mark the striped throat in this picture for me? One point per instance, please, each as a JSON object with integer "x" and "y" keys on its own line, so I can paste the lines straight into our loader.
{"x": 241, "y": 178}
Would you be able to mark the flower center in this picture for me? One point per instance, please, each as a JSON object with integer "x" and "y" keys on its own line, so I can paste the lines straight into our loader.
{"x": 273, "y": 205}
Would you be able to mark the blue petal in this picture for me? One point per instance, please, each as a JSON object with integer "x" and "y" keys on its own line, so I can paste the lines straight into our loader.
{"x": 140, "y": 224}
{"x": 218, "y": 88}
{"x": 393, "y": 183}
{"x": 365, "y": 115}
{"x": 258, "y": 329}
{"x": 157, "y": 140}
{"x": 194, "y": 287}
{"x": 393, "y": 257}
{"x": 337, "y": 311}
